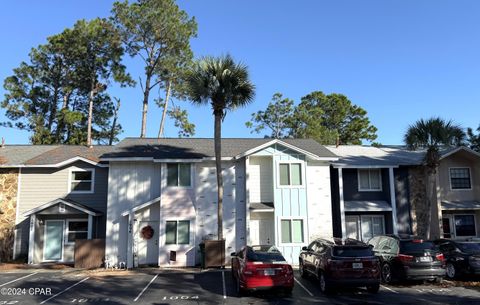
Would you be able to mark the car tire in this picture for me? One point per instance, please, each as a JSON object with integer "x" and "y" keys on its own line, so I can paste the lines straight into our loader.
{"x": 301, "y": 269}
{"x": 325, "y": 286}
{"x": 373, "y": 288}
{"x": 288, "y": 291}
{"x": 451, "y": 271}
{"x": 387, "y": 273}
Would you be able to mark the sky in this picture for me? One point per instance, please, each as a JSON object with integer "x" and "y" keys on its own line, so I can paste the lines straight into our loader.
{"x": 400, "y": 60}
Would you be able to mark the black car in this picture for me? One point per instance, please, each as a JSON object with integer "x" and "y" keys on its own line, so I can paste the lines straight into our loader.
{"x": 462, "y": 257}
{"x": 339, "y": 263}
{"x": 405, "y": 257}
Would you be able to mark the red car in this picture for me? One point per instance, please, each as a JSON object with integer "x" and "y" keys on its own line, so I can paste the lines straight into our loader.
{"x": 261, "y": 267}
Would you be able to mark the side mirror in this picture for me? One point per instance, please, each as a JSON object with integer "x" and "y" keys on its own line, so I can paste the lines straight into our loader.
{"x": 233, "y": 254}
{"x": 305, "y": 248}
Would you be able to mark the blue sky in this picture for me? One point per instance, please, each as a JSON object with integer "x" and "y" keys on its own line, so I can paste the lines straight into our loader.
{"x": 400, "y": 60}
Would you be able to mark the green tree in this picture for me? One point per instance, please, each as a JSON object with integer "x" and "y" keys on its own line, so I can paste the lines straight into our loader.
{"x": 473, "y": 139}
{"x": 225, "y": 85}
{"x": 331, "y": 118}
{"x": 276, "y": 118}
{"x": 159, "y": 33}
{"x": 49, "y": 96}
{"x": 431, "y": 135}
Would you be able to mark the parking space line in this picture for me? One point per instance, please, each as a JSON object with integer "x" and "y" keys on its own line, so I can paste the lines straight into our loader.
{"x": 145, "y": 288}
{"x": 224, "y": 289}
{"x": 304, "y": 288}
{"x": 389, "y": 289}
{"x": 23, "y": 277}
{"x": 64, "y": 290}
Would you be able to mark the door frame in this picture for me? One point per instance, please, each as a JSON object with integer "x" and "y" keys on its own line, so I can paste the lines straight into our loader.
{"x": 45, "y": 239}
{"x": 450, "y": 223}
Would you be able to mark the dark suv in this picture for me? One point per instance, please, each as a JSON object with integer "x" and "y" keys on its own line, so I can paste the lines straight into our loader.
{"x": 463, "y": 257}
{"x": 340, "y": 263}
{"x": 406, "y": 257}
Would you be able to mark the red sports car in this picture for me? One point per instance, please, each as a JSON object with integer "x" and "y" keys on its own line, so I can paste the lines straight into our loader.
{"x": 261, "y": 267}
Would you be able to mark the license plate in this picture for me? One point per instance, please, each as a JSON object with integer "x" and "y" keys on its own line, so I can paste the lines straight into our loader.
{"x": 424, "y": 259}
{"x": 269, "y": 272}
{"x": 357, "y": 265}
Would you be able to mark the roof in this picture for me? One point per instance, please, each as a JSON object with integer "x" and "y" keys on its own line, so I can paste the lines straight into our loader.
{"x": 49, "y": 155}
{"x": 198, "y": 148}
{"x": 71, "y": 203}
{"x": 460, "y": 205}
{"x": 367, "y": 206}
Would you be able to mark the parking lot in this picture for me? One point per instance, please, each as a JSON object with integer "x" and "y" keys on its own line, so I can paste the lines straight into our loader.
{"x": 193, "y": 286}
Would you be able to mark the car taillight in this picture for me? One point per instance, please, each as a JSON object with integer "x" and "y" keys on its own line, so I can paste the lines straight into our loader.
{"x": 287, "y": 269}
{"x": 250, "y": 269}
{"x": 417, "y": 241}
{"x": 405, "y": 258}
{"x": 440, "y": 257}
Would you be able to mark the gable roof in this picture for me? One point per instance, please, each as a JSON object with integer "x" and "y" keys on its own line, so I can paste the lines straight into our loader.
{"x": 203, "y": 148}
{"x": 69, "y": 202}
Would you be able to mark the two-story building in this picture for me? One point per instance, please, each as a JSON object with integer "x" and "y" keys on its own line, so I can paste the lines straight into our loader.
{"x": 275, "y": 192}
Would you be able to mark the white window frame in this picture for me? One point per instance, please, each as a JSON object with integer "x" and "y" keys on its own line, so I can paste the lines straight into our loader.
{"x": 45, "y": 238}
{"x": 450, "y": 177}
{"x": 302, "y": 174}
{"x": 67, "y": 222}
{"x": 178, "y": 176}
{"x": 75, "y": 169}
{"x": 455, "y": 226}
{"x": 371, "y": 216}
{"x": 304, "y": 233}
{"x": 360, "y": 189}
{"x": 190, "y": 232}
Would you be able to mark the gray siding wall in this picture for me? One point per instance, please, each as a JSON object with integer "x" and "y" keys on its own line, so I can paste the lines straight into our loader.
{"x": 350, "y": 187}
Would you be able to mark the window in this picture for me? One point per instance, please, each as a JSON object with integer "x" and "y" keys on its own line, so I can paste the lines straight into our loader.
{"x": 369, "y": 180}
{"x": 290, "y": 173}
{"x": 465, "y": 225}
{"x": 292, "y": 231}
{"x": 179, "y": 174}
{"x": 76, "y": 229}
{"x": 177, "y": 232}
{"x": 372, "y": 226}
{"x": 460, "y": 178}
{"x": 81, "y": 181}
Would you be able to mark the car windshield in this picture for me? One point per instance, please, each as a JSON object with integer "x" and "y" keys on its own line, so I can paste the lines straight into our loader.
{"x": 357, "y": 251}
{"x": 416, "y": 246}
{"x": 264, "y": 254}
{"x": 469, "y": 247}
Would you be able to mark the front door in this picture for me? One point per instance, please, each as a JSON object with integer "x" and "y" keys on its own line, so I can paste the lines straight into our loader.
{"x": 148, "y": 247}
{"x": 351, "y": 226}
{"x": 447, "y": 226}
{"x": 53, "y": 240}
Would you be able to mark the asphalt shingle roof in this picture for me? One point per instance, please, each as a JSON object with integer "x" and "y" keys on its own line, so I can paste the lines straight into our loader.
{"x": 19, "y": 154}
{"x": 186, "y": 148}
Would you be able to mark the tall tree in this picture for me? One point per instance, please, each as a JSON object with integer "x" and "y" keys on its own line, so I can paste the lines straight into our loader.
{"x": 154, "y": 30}
{"x": 226, "y": 85}
{"x": 331, "y": 119}
{"x": 276, "y": 118}
{"x": 431, "y": 135}
{"x": 49, "y": 96}
{"x": 473, "y": 139}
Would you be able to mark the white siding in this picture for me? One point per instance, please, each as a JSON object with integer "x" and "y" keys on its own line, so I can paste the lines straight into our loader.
{"x": 319, "y": 200}
{"x": 261, "y": 179}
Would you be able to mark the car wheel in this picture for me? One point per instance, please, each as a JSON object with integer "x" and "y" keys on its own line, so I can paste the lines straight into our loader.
{"x": 451, "y": 272}
{"x": 301, "y": 269}
{"x": 373, "y": 288}
{"x": 325, "y": 286}
{"x": 386, "y": 273}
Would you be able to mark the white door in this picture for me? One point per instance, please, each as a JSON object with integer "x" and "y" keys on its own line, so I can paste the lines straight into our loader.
{"x": 148, "y": 248}
{"x": 351, "y": 226}
{"x": 266, "y": 232}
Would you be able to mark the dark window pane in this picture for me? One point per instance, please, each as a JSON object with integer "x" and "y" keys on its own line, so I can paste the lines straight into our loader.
{"x": 183, "y": 232}
{"x": 77, "y": 226}
{"x": 81, "y": 186}
{"x": 172, "y": 174}
{"x": 465, "y": 225}
{"x": 352, "y": 251}
{"x": 414, "y": 246}
{"x": 81, "y": 175}
{"x": 264, "y": 254}
{"x": 185, "y": 174}
{"x": 171, "y": 233}
{"x": 460, "y": 178}
{"x": 72, "y": 236}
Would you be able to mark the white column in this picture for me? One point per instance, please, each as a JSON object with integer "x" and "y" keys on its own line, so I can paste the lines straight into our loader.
{"x": 393, "y": 201}
{"x": 247, "y": 202}
{"x": 342, "y": 202}
{"x": 31, "y": 241}
{"x": 90, "y": 226}
{"x": 130, "y": 241}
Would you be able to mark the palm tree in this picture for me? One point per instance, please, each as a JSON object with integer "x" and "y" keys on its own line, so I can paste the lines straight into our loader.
{"x": 432, "y": 135}
{"x": 226, "y": 86}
